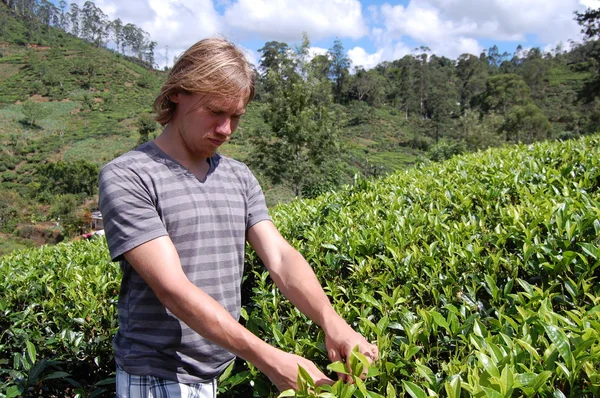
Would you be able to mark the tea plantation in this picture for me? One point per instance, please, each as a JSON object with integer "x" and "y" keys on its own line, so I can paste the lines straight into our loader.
{"x": 477, "y": 277}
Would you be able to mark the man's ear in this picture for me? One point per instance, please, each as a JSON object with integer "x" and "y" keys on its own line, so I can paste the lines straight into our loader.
{"x": 174, "y": 98}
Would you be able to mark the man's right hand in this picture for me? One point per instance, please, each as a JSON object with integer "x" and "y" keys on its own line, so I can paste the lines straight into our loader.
{"x": 283, "y": 371}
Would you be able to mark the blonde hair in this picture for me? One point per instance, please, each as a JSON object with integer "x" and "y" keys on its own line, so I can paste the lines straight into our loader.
{"x": 213, "y": 66}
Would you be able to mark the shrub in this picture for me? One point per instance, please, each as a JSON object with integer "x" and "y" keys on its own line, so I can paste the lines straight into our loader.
{"x": 33, "y": 112}
{"x": 476, "y": 277}
{"x": 9, "y": 176}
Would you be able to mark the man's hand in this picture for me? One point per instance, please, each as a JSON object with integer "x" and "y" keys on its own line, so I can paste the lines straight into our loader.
{"x": 283, "y": 371}
{"x": 341, "y": 339}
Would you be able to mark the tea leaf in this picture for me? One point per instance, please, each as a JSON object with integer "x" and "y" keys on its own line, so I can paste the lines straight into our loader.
{"x": 414, "y": 390}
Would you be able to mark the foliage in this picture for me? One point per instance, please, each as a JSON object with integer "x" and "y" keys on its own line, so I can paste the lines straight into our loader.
{"x": 482, "y": 281}
{"x": 78, "y": 177}
{"x": 358, "y": 369}
{"x": 145, "y": 125}
{"x": 64, "y": 209}
{"x": 11, "y": 206}
{"x": 444, "y": 150}
{"x": 526, "y": 124}
{"x": 503, "y": 92}
{"x": 302, "y": 138}
{"x": 33, "y": 112}
{"x": 481, "y": 273}
{"x": 590, "y": 23}
{"x": 57, "y": 316}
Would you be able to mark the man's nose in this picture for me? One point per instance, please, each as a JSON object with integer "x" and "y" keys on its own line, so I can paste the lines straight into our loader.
{"x": 224, "y": 126}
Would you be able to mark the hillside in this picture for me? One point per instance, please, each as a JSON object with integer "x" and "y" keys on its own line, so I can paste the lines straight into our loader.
{"x": 482, "y": 278}
{"x": 69, "y": 105}
{"x": 64, "y": 99}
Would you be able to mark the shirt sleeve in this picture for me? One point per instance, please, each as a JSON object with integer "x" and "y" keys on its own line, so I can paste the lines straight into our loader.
{"x": 128, "y": 210}
{"x": 257, "y": 207}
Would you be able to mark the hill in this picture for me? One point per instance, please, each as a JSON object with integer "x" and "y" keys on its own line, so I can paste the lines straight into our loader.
{"x": 65, "y": 99}
{"x": 482, "y": 281}
{"x": 68, "y": 105}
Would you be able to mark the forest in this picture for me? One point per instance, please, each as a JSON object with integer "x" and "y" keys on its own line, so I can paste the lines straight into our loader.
{"x": 76, "y": 90}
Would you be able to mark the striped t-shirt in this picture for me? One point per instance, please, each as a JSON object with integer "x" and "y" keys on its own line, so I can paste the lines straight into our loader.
{"x": 145, "y": 194}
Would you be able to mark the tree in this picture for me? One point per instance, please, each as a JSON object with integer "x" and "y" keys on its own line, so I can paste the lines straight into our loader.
{"x": 479, "y": 131}
{"x": 94, "y": 24}
{"x": 502, "y": 92}
{"x": 64, "y": 208}
{"x": 274, "y": 57}
{"x": 472, "y": 75}
{"x": 145, "y": 125}
{"x": 74, "y": 16}
{"x": 590, "y": 27}
{"x": 590, "y": 23}
{"x": 302, "y": 139}
{"x": 443, "y": 96}
{"x": 338, "y": 70}
{"x": 11, "y": 205}
{"x": 534, "y": 72}
{"x": 63, "y": 21}
{"x": 116, "y": 28}
{"x": 526, "y": 123}
{"x": 368, "y": 85}
{"x": 404, "y": 93}
{"x": 150, "y": 53}
{"x": 78, "y": 178}
{"x": 422, "y": 79}
{"x": 33, "y": 112}
{"x": 494, "y": 57}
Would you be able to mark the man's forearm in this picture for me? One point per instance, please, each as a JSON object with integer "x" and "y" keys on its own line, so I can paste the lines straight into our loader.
{"x": 298, "y": 282}
{"x": 209, "y": 319}
{"x": 158, "y": 264}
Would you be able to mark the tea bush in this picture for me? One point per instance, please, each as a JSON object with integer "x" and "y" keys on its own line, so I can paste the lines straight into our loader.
{"x": 477, "y": 277}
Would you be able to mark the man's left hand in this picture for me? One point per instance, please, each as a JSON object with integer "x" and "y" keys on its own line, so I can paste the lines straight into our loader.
{"x": 340, "y": 341}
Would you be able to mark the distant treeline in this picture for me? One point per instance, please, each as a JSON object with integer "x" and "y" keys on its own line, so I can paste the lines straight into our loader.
{"x": 529, "y": 94}
{"x": 88, "y": 22}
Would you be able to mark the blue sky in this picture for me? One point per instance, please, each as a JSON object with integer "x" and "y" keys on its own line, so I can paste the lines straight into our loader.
{"x": 372, "y": 31}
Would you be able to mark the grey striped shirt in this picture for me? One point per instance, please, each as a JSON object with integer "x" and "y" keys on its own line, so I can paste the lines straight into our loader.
{"x": 145, "y": 194}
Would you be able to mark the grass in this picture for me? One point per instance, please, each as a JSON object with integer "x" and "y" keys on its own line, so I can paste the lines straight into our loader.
{"x": 9, "y": 244}
{"x": 100, "y": 151}
{"x": 8, "y": 70}
{"x": 391, "y": 161}
{"x": 563, "y": 75}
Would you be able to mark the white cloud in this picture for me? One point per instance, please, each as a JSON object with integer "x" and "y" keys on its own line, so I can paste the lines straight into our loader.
{"x": 181, "y": 23}
{"x": 447, "y": 27}
{"x": 454, "y": 27}
{"x": 285, "y": 20}
{"x": 251, "y": 56}
{"x": 174, "y": 23}
{"x": 590, "y": 3}
{"x": 314, "y": 51}
{"x": 360, "y": 58}
{"x": 547, "y": 20}
{"x": 440, "y": 21}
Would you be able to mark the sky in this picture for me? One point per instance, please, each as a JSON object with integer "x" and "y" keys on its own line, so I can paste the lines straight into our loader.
{"x": 371, "y": 31}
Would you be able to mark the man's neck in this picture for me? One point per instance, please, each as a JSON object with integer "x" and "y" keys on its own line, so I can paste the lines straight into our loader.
{"x": 170, "y": 143}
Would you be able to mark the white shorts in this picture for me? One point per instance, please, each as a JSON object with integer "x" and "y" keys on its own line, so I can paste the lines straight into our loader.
{"x": 133, "y": 386}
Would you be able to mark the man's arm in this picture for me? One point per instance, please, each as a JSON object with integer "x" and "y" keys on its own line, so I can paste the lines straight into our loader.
{"x": 158, "y": 264}
{"x": 297, "y": 281}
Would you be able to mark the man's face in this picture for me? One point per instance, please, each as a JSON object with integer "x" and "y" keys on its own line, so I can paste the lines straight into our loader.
{"x": 206, "y": 122}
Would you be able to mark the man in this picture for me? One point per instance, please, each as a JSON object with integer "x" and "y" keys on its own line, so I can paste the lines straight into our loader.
{"x": 177, "y": 216}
